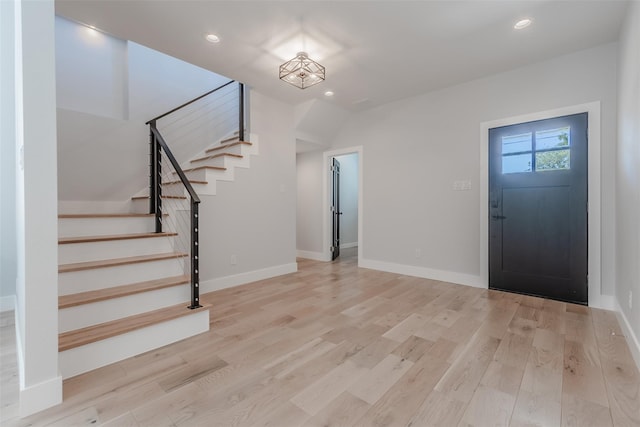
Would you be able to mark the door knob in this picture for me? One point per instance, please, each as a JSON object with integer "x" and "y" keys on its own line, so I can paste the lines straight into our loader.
{"x": 497, "y": 217}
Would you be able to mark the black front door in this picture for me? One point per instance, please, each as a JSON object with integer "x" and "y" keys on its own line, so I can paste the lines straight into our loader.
{"x": 538, "y": 208}
{"x": 335, "y": 210}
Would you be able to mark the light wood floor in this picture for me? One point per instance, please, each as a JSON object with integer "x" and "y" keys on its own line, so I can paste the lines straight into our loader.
{"x": 334, "y": 345}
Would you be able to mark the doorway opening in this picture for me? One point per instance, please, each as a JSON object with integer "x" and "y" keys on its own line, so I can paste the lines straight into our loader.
{"x": 342, "y": 202}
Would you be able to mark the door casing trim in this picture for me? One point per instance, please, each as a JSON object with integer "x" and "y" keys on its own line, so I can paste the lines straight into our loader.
{"x": 594, "y": 266}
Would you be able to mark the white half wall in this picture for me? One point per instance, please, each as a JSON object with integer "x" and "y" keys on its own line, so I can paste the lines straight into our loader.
{"x": 628, "y": 179}
{"x": 36, "y": 206}
{"x": 418, "y": 147}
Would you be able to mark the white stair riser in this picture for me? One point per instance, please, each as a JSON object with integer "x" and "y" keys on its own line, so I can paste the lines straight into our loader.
{"x": 235, "y": 149}
{"x": 101, "y": 353}
{"x": 99, "y": 278}
{"x": 215, "y": 162}
{"x": 76, "y": 227}
{"x": 105, "y": 311}
{"x": 141, "y": 205}
{"x": 94, "y": 251}
{"x": 197, "y": 175}
{"x": 178, "y": 189}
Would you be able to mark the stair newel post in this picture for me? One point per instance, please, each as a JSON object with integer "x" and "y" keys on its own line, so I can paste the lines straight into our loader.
{"x": 240, "y": 111}
{"x": 155, "y": 179}
{"x": 195, "y": 262}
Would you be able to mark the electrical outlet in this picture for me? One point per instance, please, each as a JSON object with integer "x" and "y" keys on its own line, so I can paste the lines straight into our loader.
{"x": 630, "y": 300}
{"x": 418, "y": 253}
{"x": 234, "y": 259}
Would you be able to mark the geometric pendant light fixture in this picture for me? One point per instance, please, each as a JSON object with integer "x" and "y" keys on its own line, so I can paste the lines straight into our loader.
{"x": 302, "y": 71}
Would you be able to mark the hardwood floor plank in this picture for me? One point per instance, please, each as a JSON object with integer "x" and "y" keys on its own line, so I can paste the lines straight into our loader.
{"x": 488, "y": 407}
{"x": 382, "y": 377}
{"x": 543, "y": 373}
{"x": 438, "y": 410}
{"x": 400, "y": 402}
{"x": 413, "y": 348}
{"x": 581, "y": 413}
{"x": 504, "y": 378}
{"x": 403, "y": 330}
{"x": 343, "y": 411}
{"x": 318, "y": 395}
{"x": 536, "y": 410}
{"x": 582, "y": 375}
{"x": 623, "y": 390}
{"x": 466, "y": 372}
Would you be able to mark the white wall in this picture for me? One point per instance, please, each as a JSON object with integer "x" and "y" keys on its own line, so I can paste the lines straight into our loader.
{"x": 36, "y": 206}
{"x": 254, "y": 217}
{"x": 159, "y": 82}
{"x": 416, "y": 148}
{"x": 91, "y": 71}
{"x": 628, "y": 174}
{"x": 309, "y": 203}
{"x": 348, "y": 199}
{"x": 7, "y": 158}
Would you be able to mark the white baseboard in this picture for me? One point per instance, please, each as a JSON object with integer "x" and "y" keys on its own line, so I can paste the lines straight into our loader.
{"x": 632, "y": 338}
{"x": 40, "y": 396}
{"x": 426, "y": 273}
{"x": 349, "y": 245}
{"x": 248, "y": 277}
{"x": 7, "y": 303}
{"x": 316, "y": 256}
{"x": 604, "y": 302}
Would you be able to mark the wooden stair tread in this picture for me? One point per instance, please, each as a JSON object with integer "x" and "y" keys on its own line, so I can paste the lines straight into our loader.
{"x": 111, "y": 215}
{"x": 88, "y": 265}
{"x": 164, "y": 197}
{"x": 217, "y": 168}
{"x": 191, "y": 181}
{"x": 90, "y": 334}
{"x": 222, "y": 147}
{"x": 88, "y": 239}
{"x": 213, "y": 156}
{"x": 73, "y": 300}
{"x": 231, "y": 138}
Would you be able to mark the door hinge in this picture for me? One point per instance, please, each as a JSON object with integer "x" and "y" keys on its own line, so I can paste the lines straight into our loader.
{"x": 332, "y": 168}
{"x": 333, "y": 249}
{"x": 587, "y": 278}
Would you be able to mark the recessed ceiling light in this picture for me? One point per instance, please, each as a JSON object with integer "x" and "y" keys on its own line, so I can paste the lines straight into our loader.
{"x": 328, "y": 93}
{"x": 212, "y": 38}
{"x": 523, "y": 23}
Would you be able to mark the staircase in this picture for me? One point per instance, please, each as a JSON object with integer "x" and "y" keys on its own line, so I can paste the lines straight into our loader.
{"x": 125, "y": 288}
{"x": 122, "y": 291}
{"x": 205, "y": 170}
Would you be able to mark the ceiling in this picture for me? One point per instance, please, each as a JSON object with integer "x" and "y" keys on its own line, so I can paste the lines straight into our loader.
{"x": 375, "y": 52}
